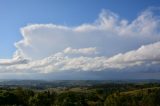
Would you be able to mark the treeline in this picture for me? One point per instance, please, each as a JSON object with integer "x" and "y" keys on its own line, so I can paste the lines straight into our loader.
{"x": 26, "y": 97}
{"x": 100, "y": 95}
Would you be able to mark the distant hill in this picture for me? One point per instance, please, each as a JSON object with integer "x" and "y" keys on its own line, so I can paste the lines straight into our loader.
{"x": 68, "y": 83}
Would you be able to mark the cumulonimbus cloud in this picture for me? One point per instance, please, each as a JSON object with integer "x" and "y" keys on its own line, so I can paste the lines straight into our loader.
{"x": 108, "y": 43}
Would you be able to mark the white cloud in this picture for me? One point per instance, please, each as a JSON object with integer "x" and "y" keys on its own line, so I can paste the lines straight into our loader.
{"x": 17, "y": 59}
{"x": 149, "y": 52}
{"x": 82, "y": 51}
{"x": 108, "y": 43}
{"x": 147, "y": 55}
{"x": 109, "y": 34}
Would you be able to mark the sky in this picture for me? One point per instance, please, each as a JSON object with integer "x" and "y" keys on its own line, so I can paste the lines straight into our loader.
{"x": 80, "y": 39}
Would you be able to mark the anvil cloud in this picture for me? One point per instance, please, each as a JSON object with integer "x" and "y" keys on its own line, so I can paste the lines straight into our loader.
{"x": 109, "y": 43}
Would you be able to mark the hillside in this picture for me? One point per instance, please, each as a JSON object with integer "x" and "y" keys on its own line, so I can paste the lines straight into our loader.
{"x": 141, "y": 97}
{"x": 102, "y": 94}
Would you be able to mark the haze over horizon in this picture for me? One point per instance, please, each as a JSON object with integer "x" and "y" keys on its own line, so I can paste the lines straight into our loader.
{"x": 107, "y": 39}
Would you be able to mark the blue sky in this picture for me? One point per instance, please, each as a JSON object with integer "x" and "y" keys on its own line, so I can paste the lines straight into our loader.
{"x": 18, "y": 13}
{"x": 80, "y": 39}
